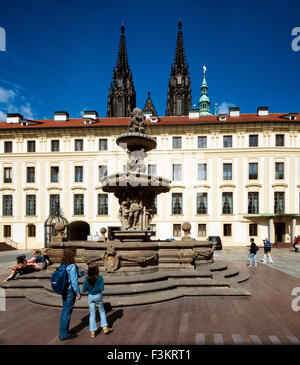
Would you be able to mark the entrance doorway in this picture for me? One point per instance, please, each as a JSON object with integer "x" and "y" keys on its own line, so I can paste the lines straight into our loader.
{"x": 78, "y": 231}
{"x": 279, "y": 231}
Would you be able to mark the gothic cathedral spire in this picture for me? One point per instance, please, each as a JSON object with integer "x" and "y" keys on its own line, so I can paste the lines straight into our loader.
{"x": 179, "y": 89}
{"x": 121, "y": 94}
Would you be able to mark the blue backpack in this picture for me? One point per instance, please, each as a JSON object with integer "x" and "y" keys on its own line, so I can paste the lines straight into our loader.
{"x": 59, "y": 279}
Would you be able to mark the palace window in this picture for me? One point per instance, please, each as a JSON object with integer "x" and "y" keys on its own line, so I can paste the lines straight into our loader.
{"x": 202, "y": 142}
{"x": 227, "y": 230}
{"x": 7, "y": 230}
{"x": 202, "y": 203}
{"x": 78, "y": 204}
{"x": 279, "y": 202}
{"x": 253, "y": 171}
{"x": 102, "y": 204}
{"x": 176, "y": 142}
{"x": 202, "y": 171}
{"x": 176, "y": 230}
{"x": 227, "y": 171}
{"x": 55, "y": 145}
{"x": 7, "y": 205}
{"x": 7, "y": 175}
{"x": 31, "y": 174}
{"x": 227, "y": 141}
{"x": 30, "y": 146}
{"x": 201, "y": 230}
{"x": 54, "y": 203}
{"x": 279, "y": 140}
{"x": 78, "y": 173}
{"x": 177, "y": 172}
{"x": 31, "y": 231}
{"x": 227, "y": 203}
{"x": 102, "y": 172}
{"x": 152, "y": 170}
{"x": 253, "y": 140}
{"x": 253, "y": 203}
{"x": 7, "y": 146}
{"x": 155, "y": 206}
{"x": 279, "y": 170}
{"x": 103, "y": 144}
{"x": 54, "y": 172}
{"x": 78, "y": 145}
{"x": 253, "y": 229}
{"x": 30, "y": 205}
{"x": 177, "y": 203}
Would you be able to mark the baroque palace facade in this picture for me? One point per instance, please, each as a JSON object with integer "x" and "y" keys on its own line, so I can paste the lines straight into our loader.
{"x": 232, "y": 175}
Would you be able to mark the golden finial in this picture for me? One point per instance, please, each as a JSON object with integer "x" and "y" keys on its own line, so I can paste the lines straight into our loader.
{"x": 204, "y": 69}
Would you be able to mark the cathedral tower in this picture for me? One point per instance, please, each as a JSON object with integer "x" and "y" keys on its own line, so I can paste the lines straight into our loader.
{"x": 179, "y": 89}
{"x": 121, "y": 94}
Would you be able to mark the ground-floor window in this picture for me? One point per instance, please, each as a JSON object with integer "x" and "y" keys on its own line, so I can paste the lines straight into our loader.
{"x": 227, "y": 230}
{"x": 31, "y": 230}
{"x": 176, "y": 230}
{"x": 7, "y": 230}
{"x": 253, "y": 229}
{"x": 201, "y": 230}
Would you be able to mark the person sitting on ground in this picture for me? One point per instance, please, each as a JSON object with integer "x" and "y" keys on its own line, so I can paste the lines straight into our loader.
{"x": 20, "y": 268}
{"x": 37, "y": 261}
{"x": 46, "y": 258}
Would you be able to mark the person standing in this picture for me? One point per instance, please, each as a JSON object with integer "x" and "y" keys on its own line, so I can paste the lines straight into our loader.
{"x": 93, "y": 283}
{"x": 252, "y": 254}
{"x": 267, "y": 252}
{"x": 70, "y": 294}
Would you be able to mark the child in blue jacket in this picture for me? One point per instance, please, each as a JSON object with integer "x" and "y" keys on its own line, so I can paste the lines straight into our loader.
{"x": 93, "y": 283}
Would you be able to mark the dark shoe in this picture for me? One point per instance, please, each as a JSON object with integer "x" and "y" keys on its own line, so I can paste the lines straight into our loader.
{"x": 72, "y": 335}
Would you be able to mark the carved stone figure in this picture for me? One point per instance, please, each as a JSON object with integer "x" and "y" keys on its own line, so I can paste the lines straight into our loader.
{"x": 124, "y": 213}
{"x": 134, "y": 214}
{"x": 137, "y": 122}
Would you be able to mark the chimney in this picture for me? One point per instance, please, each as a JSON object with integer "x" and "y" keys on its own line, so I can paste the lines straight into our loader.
{"x": 14, "y": 118}
{"x": 262, "y": 110}
{"x": 61, "y": 116}
{"x": 234, "y": 111}
{"x": 90, "y": 114}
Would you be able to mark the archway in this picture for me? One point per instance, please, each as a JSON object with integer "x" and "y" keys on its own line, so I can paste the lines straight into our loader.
{"x": 78, "y": 231}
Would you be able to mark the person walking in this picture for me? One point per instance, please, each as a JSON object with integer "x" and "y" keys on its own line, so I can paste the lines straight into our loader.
{"x": 70, "y": 294}
{"x": 252, "y": 254}
{"x": 93, "y": 283}
{"x": 267, "y": 252}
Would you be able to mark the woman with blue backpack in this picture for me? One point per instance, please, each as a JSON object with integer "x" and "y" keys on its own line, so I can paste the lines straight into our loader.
{"x": 67, "y": 276}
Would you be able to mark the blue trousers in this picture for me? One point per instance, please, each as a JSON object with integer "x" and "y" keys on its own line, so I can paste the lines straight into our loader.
{"x": 68, "y": 300}
{"x": 93, "y": 300}
{"x": 254, "y": 259}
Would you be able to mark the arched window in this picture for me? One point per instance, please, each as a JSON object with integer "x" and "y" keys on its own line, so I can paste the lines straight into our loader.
{"x": 179, "y": 106}
{"x": 120, "y": 107}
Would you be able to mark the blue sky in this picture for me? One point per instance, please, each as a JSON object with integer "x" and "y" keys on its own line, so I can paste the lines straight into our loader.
{"x": 60, "y": 54}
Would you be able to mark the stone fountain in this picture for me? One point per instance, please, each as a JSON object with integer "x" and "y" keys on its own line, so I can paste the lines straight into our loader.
{"x": 136, "y": 269}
